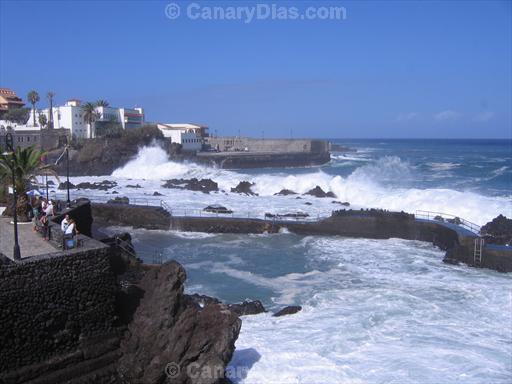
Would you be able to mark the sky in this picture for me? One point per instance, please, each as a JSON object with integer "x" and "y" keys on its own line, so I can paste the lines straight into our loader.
{"x": 399, "y": 69}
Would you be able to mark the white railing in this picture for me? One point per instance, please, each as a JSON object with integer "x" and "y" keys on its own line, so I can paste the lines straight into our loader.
{"x": 448, "y": 218}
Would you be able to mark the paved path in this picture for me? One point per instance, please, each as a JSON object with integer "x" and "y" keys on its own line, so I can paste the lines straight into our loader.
{"x": 31, "y": 243}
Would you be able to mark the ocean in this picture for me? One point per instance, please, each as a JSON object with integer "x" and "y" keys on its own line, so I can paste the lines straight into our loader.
{"x": 374, "y": 311}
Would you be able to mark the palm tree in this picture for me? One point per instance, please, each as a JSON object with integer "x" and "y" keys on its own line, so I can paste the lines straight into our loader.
{"x": 43, "y": 121}
{"x": 102, "y": 103}
{"x": 33, "y": 98}
{"x": 28, "y": 163}
{"x": 90, "y": 116}
{"x": 50, "y": 95}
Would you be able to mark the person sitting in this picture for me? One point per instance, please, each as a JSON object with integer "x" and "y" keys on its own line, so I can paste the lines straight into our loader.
{"x": 69, "y": 233}
{"x": 49, "y": 209}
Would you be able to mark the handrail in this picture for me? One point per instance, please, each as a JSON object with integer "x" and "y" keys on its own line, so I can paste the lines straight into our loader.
{"x": 430, "y": 215}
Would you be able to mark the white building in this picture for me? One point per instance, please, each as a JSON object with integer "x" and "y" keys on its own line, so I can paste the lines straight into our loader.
{"x": 70, "y": 116}
{"x": 190, "y": 136}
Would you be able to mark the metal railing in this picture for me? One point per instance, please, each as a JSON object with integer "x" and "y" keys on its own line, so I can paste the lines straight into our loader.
{"x": 448, "y": 218}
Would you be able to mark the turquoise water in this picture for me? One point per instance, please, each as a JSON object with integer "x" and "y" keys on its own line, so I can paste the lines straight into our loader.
{"x": 374, "y": 311}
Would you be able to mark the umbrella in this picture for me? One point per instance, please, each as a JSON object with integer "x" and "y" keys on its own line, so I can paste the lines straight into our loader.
{"x": 34, "y": 192}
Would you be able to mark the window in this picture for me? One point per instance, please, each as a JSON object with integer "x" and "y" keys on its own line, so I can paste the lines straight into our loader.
{"x": 28, "y": 139}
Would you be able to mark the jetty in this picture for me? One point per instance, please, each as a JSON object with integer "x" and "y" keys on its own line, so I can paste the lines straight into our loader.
{"x": 459, "y": 238}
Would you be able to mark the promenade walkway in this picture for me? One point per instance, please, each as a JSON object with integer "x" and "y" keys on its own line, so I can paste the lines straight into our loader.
{"x": 31, "y": 243}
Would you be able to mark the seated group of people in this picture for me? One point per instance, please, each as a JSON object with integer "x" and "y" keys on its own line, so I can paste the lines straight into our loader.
{"x": 41, "y": 210}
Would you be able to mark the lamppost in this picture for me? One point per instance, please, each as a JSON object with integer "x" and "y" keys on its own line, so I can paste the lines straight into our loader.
{"x": 9, "y": 143}
{"x": 68, "y": 203}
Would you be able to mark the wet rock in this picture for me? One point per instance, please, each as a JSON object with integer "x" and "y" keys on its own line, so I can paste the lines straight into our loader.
{"x": 133, "y": 186}
{"x": 216, "y": 208}
{"x": 244, "y": 187}
{"x": 285, "y": 192}
{"x": 119, "y": 200}
{"x": 296, "y": 215}
{"x": 308, "y": 203}
{"x": 64, "y": 185}
{"x": 102, "y": 186}
{"x": 168, "y": 327}
{"x": 157, "y": 193}
{"x": 202, "y": 300}
{"x": 203, "y": 185}
{"x": 50, "y": 182}
{"x": 498, "y": 231}
{"x": 319, "y": 192}
{"x": 247, "y": 308}
{"x": 115, "y": 192}
{"x": 290, "y": 310}
{"x": 345, "y": 203}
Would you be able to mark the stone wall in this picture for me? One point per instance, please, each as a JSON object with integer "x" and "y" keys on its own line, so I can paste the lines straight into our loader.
{"x": 59, "y": 310}
{"x": 268, "y": 145}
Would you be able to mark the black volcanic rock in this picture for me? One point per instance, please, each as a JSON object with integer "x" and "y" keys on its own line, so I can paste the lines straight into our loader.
{"x": 296, "y": 215}
{"x": 290, "y": 310}
{"x": 244, "y": 187}
{"x": 133, "y": 186}
{"x": 498, "y": 231}
{"x": 202, "y": 300}
{"x": 157, "y": 193}
{"x": 168, "y": 327}
{"x": 119, "y": 200}
{"x": 285, "y": 192}
{"x": 319, "y": 192}
{"x": 102, "y": 186}
{"x": 203, "y": 185}
{"x": 345, "y": 203}
{"x": 247, "y": 308}
{"x": 215, "y": 208}
{"x": 64, "y": 185}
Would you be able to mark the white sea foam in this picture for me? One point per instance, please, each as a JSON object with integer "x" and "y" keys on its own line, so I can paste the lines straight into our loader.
{"x": 387, "y": 183}
{"x": 385, "y": 311}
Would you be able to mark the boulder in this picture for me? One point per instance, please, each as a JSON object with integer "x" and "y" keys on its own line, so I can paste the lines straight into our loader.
{"x": 157, "y": 193}
{"x": 133, "y": 186}
{"x": 290, "y": 310}
{"x": 498, "y": 231}
{"x": 247, "y": 308}
{"x": 102, "y": 186}
{"x": 170, "y": 331}
{"x": 244, "y": 187}
{"x": 119, "y": 200}
{"x": 64, "y": 185}
{"x": 285, "y": 192}
{"x": 345, "y": 203}
{"x": 216, "y": 208}
{"x": 203, "y": 185}
{"x": 319, "y": 192}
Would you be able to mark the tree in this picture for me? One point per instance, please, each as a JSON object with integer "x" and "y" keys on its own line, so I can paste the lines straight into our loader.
{"x": 33, "y": 98}
{"x": 102, "y": 103}
{"x": 42, "y": 120}
{"x": 50, "y": 95}
{"x": 28, "y": 163}
{"x": 90, "y": 116}
{"x": 17, "y": 115}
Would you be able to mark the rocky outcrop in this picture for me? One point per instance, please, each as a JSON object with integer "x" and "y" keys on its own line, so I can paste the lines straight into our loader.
{"x": 285, "y": 192}
{"x": 203, "y": 185}
{"x": 170, "y": 336}
{"x": 64, "y": 185}
{"x": 244, "y": 187}
{"x": 290, "y": 310}
{"x": 104, "y": 185}
{"x": 119, "y": 200}
{"x": 131, "y": 215}
{"x": 498, "y": 231}
{"x": 216, "y": 208}
{"x": 247, "y": 308}
{"x": 319, "y": 192}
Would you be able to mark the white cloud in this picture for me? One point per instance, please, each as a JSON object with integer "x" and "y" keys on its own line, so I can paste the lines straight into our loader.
{"x": 484, "y": 116}
{"x": 406, "y": 116}
{"x": 447, "y": 115}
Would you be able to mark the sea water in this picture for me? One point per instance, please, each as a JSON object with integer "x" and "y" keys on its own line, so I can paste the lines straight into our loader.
{"x": 374, "y": 311}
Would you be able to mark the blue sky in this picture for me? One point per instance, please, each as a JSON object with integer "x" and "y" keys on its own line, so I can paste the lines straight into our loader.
{"x": 390, "y": 69}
